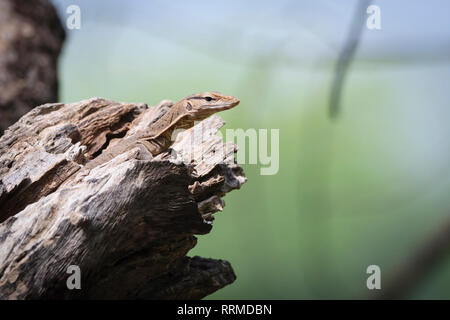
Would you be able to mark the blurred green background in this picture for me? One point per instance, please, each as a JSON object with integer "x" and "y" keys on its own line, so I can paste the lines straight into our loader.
{"x": 367, "y": 188}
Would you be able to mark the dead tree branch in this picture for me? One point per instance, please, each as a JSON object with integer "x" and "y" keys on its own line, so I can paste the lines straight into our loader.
{"x": 128, "y": 224}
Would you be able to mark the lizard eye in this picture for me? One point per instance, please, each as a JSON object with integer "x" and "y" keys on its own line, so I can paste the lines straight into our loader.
{"x": 189, "y": 106}
{"x": 208, "y": 98}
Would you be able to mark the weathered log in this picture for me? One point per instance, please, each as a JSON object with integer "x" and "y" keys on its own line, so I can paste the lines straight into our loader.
{"x": 31, "y": 38}
{"x": 127, "y": 224}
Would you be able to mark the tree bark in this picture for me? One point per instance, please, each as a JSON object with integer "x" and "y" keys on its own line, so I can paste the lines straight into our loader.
{"x": 127, "y": 224}
{"x": 31, "y": 38}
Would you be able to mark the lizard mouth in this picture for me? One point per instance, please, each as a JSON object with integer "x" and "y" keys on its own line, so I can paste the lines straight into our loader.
{"x": 223, "y": 106}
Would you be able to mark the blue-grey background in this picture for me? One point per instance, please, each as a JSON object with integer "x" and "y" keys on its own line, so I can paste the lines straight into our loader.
{"x": 365, "y": 189}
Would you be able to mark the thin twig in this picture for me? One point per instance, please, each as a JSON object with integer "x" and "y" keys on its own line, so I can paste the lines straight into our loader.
{"x": 418, "y": 266}
{"x": 346, "y": 56}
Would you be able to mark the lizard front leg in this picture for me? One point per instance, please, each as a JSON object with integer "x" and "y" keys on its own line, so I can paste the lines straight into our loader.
{"x": 155, "y": 146}
{"x": 149, "y": 147}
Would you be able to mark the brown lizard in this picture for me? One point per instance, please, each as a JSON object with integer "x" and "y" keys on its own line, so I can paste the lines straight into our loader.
{"x": 181, "y": 115}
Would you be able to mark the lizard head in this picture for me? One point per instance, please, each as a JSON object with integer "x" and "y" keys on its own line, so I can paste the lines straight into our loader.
{"x": 199, "y": 106}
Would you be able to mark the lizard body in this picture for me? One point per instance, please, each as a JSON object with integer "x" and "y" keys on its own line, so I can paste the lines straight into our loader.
{"x": 181, "y": 115}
